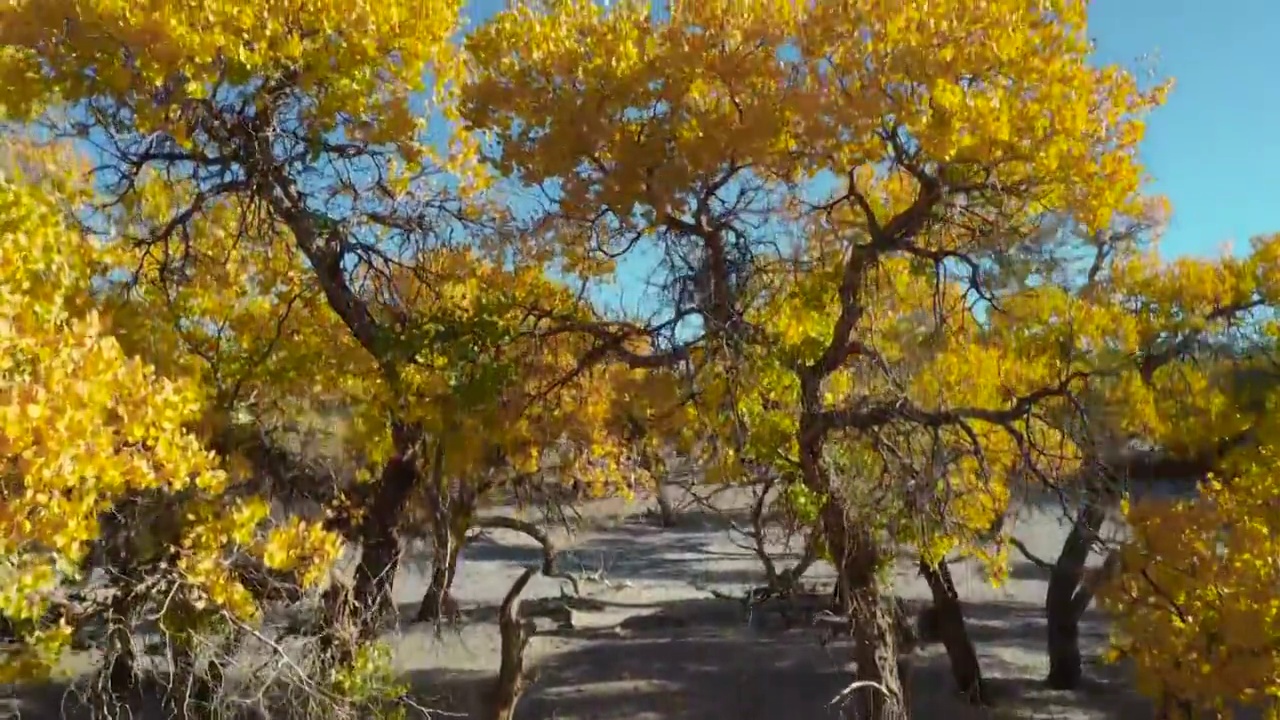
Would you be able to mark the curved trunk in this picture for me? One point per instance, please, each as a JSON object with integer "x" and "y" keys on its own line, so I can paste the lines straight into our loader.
{"x": 1066, "y": 601}
{"x": 949, "y": 615}
{"x": 854, "y": 548}
{"x": 355, "y": 615}
{"x": 515, "y": 638}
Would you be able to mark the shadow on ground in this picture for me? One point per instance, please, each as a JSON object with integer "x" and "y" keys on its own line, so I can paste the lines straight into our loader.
{"x": 697, "y": 660}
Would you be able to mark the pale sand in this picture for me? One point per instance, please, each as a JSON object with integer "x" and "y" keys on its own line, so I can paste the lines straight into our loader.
{"x": 715, "y": 666}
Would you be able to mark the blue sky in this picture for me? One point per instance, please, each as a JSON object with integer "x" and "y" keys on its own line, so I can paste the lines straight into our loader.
{"x": 1213, "y": 149}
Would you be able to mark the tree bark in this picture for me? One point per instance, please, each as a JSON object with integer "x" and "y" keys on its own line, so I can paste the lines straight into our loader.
{"x": 949, "y": 615}
{"x": 857, "y": 558}
{"x": 876, "y": 656}
{"x": 1066, "y": 601}
{"x": 380, "y": 541}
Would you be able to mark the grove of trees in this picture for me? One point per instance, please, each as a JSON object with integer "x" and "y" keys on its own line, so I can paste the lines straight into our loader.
{"x": 898, "y": 259}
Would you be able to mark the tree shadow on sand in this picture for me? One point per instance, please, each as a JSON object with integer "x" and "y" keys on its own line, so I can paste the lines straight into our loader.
{"x": 697, "y": 660}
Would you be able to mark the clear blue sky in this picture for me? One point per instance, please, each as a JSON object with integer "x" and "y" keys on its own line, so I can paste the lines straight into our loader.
{"x": 1215, "y": 148}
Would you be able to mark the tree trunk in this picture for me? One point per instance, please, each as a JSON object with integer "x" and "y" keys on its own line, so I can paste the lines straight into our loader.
{"x": 515, "y": 638}
{"x": 1066, "y": 601}
{"x": 666, "y": 510}
{"x": 879, "y": 694}
{"x": 876, "y": 657}
{"x": 446, "y": 546}
{"x": 876, "y": 693}
{"x": 116, "y": 682}
{"x": 380, "y": 542}
{"x": 951, "y": 628}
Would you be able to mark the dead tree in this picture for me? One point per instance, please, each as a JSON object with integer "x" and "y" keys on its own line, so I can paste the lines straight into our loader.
{"x": 756, "y": 536}
{"x": 776, "y": 582}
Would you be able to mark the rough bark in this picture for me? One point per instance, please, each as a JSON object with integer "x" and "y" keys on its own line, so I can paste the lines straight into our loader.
{"x": 948, "y": 618}
{"x": 857, "y": 557}
{"x": 515, "y": 638}
{"x": 856, "y": 554}
{"x": 876, "y": 657}
{"x": 380, "y": 542}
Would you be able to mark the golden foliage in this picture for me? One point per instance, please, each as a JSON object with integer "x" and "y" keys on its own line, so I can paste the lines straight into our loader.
{"x": 84, "y": 425}
{"x": 865, "y": 199}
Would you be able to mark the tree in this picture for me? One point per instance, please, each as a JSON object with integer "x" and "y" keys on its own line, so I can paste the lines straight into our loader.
{"x": 505, "y": 403}
{"x": 294, "y": 222}
{"x": 97, "y": 445}
{"x": 720, "y": 134}
{"x": 254, "y": 108}
{"x": 1161, "y": 320}
{"x": 1192, "y": 599}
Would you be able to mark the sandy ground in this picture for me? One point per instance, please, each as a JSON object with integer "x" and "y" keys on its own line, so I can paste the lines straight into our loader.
{"x": 715, "y": 665}
{"x": 709, "y": 662}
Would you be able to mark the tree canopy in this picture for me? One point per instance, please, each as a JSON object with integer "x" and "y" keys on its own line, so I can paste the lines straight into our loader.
{"x": 904, "y": 259}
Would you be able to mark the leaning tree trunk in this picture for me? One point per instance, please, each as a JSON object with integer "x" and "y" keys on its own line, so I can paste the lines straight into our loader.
{"x": 953, "y": 633}
{"x": 354, "y": 614}
{"x": 876, "y": 692}
{"x": 1066, "y": 601}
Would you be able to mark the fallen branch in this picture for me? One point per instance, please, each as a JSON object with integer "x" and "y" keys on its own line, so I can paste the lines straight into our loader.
{"x": 524, "y": 527}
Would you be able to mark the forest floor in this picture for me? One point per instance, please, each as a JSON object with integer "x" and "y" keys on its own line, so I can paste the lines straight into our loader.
{"x": 658, "y": 643}
{"x": 662, "y": 646}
